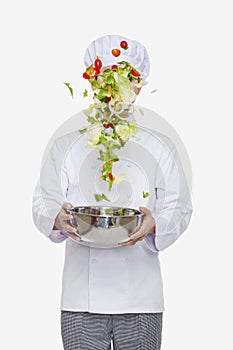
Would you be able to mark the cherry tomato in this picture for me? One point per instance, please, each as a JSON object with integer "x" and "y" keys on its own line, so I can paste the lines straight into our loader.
{"x": 110, "y": 176}
{"x": 114, "y": 66}
{"x": 105, "y": 126}
{"x": 116, "y": 52}
{"x": 98, "y": 64}
{"x": 124, "y": 45}
{"x": 97, "y": 71}
{"x": 111, "y": 125}
{"x": 107, "y": 99}
{"x": 135, "y": 73}
{"x": 86, "y": 76}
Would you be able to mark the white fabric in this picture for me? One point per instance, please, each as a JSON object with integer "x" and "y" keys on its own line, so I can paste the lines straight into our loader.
{"x": 136, "y": 53}
{"x": 122, "y": 279}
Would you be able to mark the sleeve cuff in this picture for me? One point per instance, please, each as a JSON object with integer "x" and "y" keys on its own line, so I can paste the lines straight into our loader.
{"x": 150, "y": 242}
{"x": 58, "y": 236}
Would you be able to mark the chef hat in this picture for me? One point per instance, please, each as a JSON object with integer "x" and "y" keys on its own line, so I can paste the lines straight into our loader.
{"x": 136, "y": 53}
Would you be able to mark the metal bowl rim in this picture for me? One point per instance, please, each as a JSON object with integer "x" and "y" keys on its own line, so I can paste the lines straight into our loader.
{"x": 72, "y": 211}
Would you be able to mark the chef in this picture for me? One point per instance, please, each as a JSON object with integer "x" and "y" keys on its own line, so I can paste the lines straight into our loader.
{"x": 114, "y": 293}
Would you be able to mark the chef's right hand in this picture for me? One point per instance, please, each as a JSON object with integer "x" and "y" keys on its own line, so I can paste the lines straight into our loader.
{"x": 62, "y": 222}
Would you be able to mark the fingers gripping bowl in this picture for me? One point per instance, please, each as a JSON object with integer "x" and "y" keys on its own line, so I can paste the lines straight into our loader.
{"x": 105, "y": 226}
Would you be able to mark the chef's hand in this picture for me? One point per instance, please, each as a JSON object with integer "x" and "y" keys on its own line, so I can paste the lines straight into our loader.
{"x": 147, "y": 226}
{"x": 62, "y": 221}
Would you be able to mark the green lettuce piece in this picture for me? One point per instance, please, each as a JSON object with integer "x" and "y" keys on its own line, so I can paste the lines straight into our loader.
{"x": 145, "y": 194}
{"x": 91, "y": 120}
{"x": 125, "y": 90}
{"x": 88, "y": 111}
{"x": 83, "y": 130}
{"x": 110, "y": 79}
{"x": 107, "y": 156}
{"x": 108, "y": 211}
{"x": 100, "y": 197}
{"x": 95, "y": 84}
{"x": 85, "y": 93}
{"x": 102, "y": 94}
{"x": 70, "y": 89}
{"x": 120, "y": 211}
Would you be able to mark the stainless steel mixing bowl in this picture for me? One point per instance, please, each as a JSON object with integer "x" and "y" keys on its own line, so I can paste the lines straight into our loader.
{"x": 105, "y": 226}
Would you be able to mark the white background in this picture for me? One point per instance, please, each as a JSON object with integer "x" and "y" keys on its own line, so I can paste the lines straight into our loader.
{"x": 189, "y": 43}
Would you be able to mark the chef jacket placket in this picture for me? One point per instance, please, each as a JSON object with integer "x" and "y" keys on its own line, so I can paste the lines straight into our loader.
{"x": 93, "y": 272}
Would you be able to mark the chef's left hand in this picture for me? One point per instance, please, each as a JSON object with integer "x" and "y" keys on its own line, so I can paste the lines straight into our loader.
{"x": 147, "y": 226}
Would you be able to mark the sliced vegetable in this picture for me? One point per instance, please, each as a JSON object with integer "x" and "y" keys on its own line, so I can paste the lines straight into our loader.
{"x": 98, "y": 64}
{"x": 92, "y": 71}
{"x": 107, "y": 99}
{"x": 83, "y": 130}
{"x": 109, "y": 91}
{"x": 70, "y": 89}
{"x": 86, "y": 76}
{"x": 85, "y": 93}
{"x": 120, "y": 211}
{"x": 95, "y": 84}
{"x": 135, "y": 73}
{"x": 97, "y": 71}
{"x": 116, "y": 52}
{"x": 124, "y": 45}
{"x": 112, "y": 85}
{"x": 145, "y": 194}
{"x": 108, "y": 211}
{"x": 100, "y": 197}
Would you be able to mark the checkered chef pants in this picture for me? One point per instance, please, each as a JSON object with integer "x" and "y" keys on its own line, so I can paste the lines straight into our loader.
{"x": 93, "y": 331}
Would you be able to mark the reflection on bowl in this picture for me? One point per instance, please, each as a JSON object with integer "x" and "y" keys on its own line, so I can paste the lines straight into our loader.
{"x": 105, "y": 226}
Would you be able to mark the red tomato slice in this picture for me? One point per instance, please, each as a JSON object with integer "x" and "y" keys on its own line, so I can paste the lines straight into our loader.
{"x": 86, "y": 76}
{"x": 135, "y": 73}
{"x": 116, "y": 52}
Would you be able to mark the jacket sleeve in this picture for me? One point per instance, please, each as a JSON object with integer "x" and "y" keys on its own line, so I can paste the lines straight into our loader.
{"x": 173, "y": 207}
{"x": 50, "y": 193}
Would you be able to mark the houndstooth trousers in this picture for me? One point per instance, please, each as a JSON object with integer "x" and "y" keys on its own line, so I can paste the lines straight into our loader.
{"x": 92, "y": 331}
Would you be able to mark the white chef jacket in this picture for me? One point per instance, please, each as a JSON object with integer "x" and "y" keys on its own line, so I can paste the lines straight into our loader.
{"x": 120, "y": 279}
